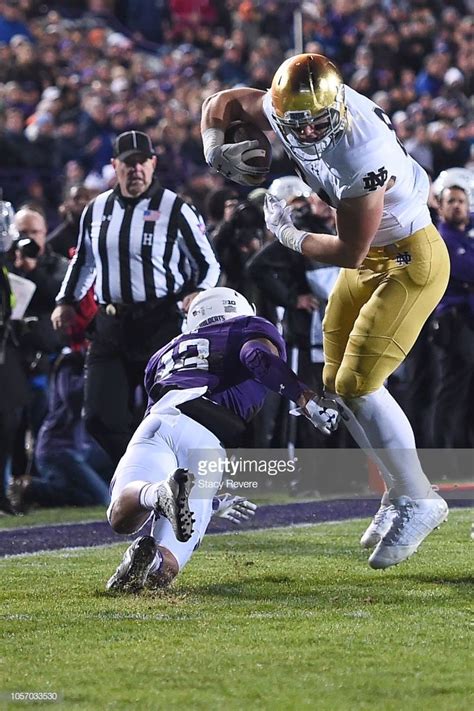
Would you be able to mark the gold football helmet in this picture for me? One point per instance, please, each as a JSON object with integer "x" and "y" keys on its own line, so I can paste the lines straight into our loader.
{"x": 308, "y": 104}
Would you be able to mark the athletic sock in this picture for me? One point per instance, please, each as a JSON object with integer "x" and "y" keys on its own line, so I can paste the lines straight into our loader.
{"x": 148, "y": 496}
{"x": 390, "y": 434}
{"x": 360, "y": 436}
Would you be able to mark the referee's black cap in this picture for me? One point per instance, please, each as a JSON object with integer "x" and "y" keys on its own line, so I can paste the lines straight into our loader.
{"x": 133, "y": 143}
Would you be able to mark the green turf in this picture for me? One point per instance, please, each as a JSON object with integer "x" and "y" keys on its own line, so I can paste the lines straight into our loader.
{"x": 285, "y": 619}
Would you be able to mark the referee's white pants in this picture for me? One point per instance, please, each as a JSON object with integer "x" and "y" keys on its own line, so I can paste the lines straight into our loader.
{"x": 161, "y": 444}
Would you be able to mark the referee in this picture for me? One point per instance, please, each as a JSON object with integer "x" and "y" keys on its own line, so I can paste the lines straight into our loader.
{"x": 145, "y": 249}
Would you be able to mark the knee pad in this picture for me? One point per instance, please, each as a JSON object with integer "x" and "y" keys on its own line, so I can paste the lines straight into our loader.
{"x": 350, "y": 384}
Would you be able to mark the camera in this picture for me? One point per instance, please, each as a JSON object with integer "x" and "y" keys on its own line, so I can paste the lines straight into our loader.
{"x": 27, "y": 247}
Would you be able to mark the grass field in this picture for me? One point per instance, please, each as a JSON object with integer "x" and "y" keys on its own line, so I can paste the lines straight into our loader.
{"x": 282, "y": 619}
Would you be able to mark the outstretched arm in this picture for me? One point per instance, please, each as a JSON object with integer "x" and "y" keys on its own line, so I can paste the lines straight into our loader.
{"x": 260, "y": 356}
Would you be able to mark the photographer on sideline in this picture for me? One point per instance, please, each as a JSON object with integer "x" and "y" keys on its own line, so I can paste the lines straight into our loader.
{"x": 32, "y": 259}
{"x": 13, "y": 385}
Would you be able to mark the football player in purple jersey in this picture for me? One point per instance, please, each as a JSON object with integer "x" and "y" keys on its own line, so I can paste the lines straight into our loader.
{"x": 203, "y": 388}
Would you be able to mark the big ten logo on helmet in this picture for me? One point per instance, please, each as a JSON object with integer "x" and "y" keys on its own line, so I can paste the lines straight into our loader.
{"x": 229, "y": 305}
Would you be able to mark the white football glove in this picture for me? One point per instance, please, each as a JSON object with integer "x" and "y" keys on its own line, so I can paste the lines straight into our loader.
{"x": 321, "y": 412}
{"x": 278, "y": 220}
{"x": 229, "y": 159}
{"x": 233, "y": 508}
{"x": 277, "y": 213}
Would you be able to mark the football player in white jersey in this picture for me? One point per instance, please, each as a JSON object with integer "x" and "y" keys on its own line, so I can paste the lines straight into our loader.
{"x": 395, "y": 264}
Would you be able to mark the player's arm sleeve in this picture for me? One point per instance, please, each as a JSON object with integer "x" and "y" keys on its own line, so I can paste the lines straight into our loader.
{"x": 260, "y": 356}
{"x": 81, "y": 271}
{"x": 196, "y": 247}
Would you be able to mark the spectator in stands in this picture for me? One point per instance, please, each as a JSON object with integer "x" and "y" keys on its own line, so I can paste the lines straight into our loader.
{"x": 12, "y": 21}
{"x": 449, "y": 151}
{"x": 68, "y": 143}
{"x": 231, "y": 70}
{"x": 27, "y": 65}
{"x": 74, "y": 174}
{"x": 454, "y": 335}
{"x": 359, "y": 37}
{"x": 419, "y": 147}
{"x": 144, "y": 18}
{"x": 188, "y": 13}
{"x": 431, "y": 79}
{"x": 43, "y": 149}
{"x": 15, "y": 145}
{"x": 95, "y": 135}
{"x": 64, "y": 238}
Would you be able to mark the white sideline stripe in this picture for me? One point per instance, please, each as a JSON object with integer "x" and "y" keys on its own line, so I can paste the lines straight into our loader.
{"x": 223, "y": 533}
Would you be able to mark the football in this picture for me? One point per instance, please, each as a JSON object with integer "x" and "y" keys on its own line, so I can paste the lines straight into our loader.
{"x": 239, "y": 131}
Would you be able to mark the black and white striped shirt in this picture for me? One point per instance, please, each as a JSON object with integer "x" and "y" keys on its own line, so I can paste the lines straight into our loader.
{"x": 140, "y": 249}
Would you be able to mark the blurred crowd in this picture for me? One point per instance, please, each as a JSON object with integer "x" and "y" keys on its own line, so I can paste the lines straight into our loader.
{"x": 73, "y": 75}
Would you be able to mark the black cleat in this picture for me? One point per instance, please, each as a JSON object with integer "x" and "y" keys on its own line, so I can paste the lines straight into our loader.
{"x": 6, "y": 506}
{"x": 173, "y": 503}
{"x": 132, "y": 572}
{"x": 17, "y": 495}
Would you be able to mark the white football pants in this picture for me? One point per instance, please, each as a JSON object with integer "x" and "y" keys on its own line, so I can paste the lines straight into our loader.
{"x": 164, "y": 441}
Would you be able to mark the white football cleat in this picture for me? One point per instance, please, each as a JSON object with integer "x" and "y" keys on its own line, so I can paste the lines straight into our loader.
{"x": 415, "y": 519}
{"x": 379, "y": 526}
{"x": 132, "y": 572}
{"x": 173, "y": 503}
